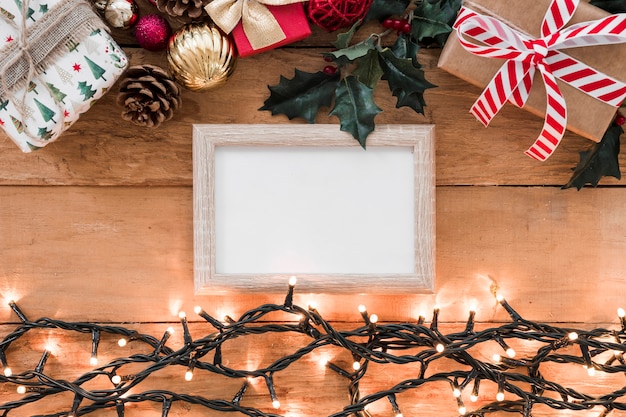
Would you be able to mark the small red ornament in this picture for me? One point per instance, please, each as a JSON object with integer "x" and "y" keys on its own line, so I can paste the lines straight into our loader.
{"x": 619, "y": 119}
{"x": 329, "y": 70}
{"x": 153, "y": 32}
{"x": 335, "y": 14}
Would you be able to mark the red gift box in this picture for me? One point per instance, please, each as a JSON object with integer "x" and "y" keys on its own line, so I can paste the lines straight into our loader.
{"x": 292, "y": 20}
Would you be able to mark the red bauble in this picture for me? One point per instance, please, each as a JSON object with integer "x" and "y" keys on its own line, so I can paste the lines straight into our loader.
{"x": 153, "y": 32}
{"x": 335, "y": 14}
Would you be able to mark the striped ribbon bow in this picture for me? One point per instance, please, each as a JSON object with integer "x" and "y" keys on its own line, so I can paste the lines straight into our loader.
{"x": 523, "y": 55}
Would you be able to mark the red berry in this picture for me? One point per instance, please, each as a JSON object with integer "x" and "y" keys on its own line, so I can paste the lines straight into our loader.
{"x": 388, "y": 23}
{"x": 330, "y": 70}
{"x": 328, "y": 58}
{"x": 397, "y": 24}
{"x": 406, "y": 27}
{"x": 619, "y": 119}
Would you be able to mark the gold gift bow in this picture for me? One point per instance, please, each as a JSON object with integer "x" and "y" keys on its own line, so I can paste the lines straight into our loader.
{"x": 35, "y": 47}
{"x": 259, "y": 24}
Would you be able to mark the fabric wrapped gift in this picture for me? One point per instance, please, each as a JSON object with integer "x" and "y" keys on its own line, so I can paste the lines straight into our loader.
{"x": 575, "y": 49}
{"x": 260, "y": 25}
{"x": 56, "y": 60}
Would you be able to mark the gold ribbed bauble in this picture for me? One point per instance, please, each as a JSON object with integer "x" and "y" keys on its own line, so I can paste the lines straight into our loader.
{"x": 200, "y": 56}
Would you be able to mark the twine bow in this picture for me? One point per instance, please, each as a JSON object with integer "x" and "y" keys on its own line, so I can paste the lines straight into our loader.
{"x": 35, "y": 47}
{"x": 259, "y": 24}
{"x": 524, "y": 55}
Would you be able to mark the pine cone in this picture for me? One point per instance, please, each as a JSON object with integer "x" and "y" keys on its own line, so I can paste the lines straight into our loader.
{"x": 187, "y": 9}
{"x": 148, "y": 95}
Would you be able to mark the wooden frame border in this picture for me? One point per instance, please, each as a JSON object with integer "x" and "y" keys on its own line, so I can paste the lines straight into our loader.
{"x": 207, "y": 137}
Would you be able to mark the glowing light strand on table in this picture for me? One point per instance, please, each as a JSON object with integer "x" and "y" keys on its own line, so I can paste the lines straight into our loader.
{"x": 374, "y": 342}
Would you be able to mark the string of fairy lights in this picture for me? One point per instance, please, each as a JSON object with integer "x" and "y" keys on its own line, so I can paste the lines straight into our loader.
{"x": 521, "y": 384}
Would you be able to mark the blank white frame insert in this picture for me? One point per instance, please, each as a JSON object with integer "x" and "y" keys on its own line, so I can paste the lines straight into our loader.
{"x": 273, "y": 201}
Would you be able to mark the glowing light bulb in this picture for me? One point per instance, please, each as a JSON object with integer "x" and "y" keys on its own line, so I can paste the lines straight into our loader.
{"x": 276, "y": 404}
{"x": 496, "y": 357}
{"x": 374, "y": 318}
{"x": 572, "y": 336}
{"x": 621, "y": 313}
{"x": 591, "y": 371}
{"x": 499, "y": 298}
{"x": 456, "y": 392}
{"x": 356, "y": 365}
{"x": 122, "y": 342}
{"x": 474, "y": 398}
{"x": 462, "y": 410}
{"x": 440, "y": 348}
{"x": 116, "y": 379}
{"x": 510, "y": 352}
{"x": 312, "y": 305}
{"x": 617, "y": 352}
{"x": 473, "y": 308}
{"x": 362, "y": 308}
{"x": 293, "y": 280}
{"x": 197, "y": 309}
{"x": 21, "y": 389}
{"x": 323, "y": 362}
{"x": 399, "y": 415}
{"x": 93, "y": 361}
{"x": 436, "y": 307}
{"x": 170, "y": 330}
{"x": 181, "y": 315}
{"x": 500, "y": 396}
{"x": 7, "y": 372}
{"x": 189, "y": 375}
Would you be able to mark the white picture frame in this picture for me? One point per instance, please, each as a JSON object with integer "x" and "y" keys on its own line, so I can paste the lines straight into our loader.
{"x": 222, "y": 153}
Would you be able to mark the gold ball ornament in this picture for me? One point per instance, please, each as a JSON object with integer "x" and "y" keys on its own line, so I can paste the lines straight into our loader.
{"x": 200, "y": 56}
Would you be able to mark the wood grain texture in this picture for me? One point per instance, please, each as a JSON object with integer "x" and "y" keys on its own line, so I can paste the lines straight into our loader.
{"x": 101, "y": 149}
{"x": 125, "y": 254}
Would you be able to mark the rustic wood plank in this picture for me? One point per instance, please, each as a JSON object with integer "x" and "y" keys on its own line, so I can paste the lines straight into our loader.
{"x": 101, "y": 149}
{"x": 125, "y": 254}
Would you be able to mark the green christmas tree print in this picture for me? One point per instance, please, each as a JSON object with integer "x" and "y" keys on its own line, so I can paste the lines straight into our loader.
{"x": 72, "y": 45}
{"x": 6, "y": 13}
{"x": 19, "y": 126}
{"x": 56, "y": 93}
{"x": 43, "y": 8}
{"x": 29, "y": 12}
{"x": 96, "y": 69}
{"x": 46, "y": 112}
{"x": 85, "y": 89}
{"x": 4, "y": 104}
{"x": 44, "y": 133}
{"x": 32, "y": 87}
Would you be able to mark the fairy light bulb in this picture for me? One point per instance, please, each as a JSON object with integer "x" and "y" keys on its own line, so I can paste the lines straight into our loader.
{"x": 362, "y": 308}
{"x": 312, "y": 305}
{"x": 323, "y": 362}
{"x": 21, "y": 389}
{"x": 189, "y": 375}
{"x": 499, "y": 298}
{"x": 621, "y": 313}
{"x": 122, "y": 342}
{"x": 93, "y": 361}
{"x": 356, "y": 365}
{"x": 276, "y": 404}
{"x": 197, "y": 309}
{"x": 496, "y": 357}
{"x": 591, "y": 371}
{"x": 440, "y": 348}
{"x": 293, "y": 280}
{"x": 462, "y": 410}
{"x": 116, "y": 379}
{"x": 456, "y": 392}
{"x": 572, "y": 336}
{"x": 182, "y": 315}
{"x": 7, "y": 371}
{"x": 374, "y": 318}
{"x": 500, "y": 396}
{"x": 474, "y": 397}
{"x": 510, "y": 352}
{"x": 399, "y": 415}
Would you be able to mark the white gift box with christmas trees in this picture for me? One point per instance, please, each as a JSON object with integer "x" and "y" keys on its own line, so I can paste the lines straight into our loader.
{"x": 56, "y": 59}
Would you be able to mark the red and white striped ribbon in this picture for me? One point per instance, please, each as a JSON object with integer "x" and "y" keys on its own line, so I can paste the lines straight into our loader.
{"x": 524, "y": 55}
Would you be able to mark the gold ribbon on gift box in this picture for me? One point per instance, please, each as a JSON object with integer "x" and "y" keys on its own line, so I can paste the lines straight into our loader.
{"x": 259, "y": 24}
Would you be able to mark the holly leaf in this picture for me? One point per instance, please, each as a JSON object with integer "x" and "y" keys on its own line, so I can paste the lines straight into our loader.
{"x": 382, "y": 9}
{"x": 611, "y": 6}
{"x": 343, "y": 39}
{"x": 406, "y": 81}
{"x": 353, "y": 52}
{"x": 303, "y": 95}
{"x": 355, "y": 108}
{"x": 368, "y": 69}
{"x": 404, "y": 47}
{"x": 599, "y": 161}
{"x": 433, "y": 19}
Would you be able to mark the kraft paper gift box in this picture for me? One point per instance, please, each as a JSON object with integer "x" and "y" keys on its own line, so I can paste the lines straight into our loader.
{"x": 587, "y": 116}
{"x": 55, "y": 62}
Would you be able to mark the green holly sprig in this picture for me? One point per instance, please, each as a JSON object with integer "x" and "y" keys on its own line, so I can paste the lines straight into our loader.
{"x": 349, "y": 85}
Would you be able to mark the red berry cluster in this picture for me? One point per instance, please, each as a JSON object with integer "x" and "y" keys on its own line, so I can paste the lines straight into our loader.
{"x": 619, "y": 119}
{"x": 401, "y": 25}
